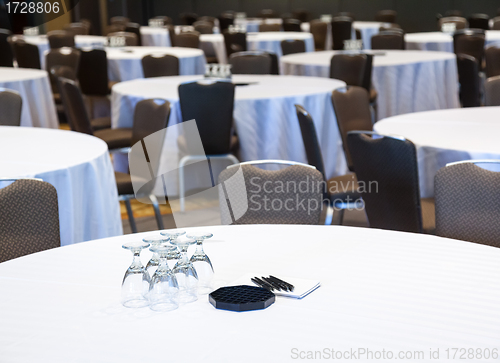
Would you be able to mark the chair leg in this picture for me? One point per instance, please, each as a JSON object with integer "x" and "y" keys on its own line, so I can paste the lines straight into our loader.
{"x": 156, "y": 207}
{"x": 130, "y": 214}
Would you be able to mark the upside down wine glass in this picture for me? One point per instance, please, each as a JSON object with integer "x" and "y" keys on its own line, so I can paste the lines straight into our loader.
{"x": 202, "y": 264}
{"x": 135, "y": 285}
{"x": 185, "y": 273}
{"x": 154, "y": 262}
{"x": 174, "y": 255}
{"x": 163, "y": 289}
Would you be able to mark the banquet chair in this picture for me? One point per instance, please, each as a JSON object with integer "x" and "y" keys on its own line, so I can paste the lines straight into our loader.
{"x": 301, "y": 15}
{"x": 341, "y": 191}
{"x": 348, "y": 14}
{"x": 225, "y": 20}
{"x": 60, "y": 38}
{"x": 389, "y": 40}
{"x": 460, "y": 23}
{"x": 27, "y": 55}
{"x": 341, "y": 31}
{"x": 492, "y": 56}
{"x": 235, "y": 42}
{"x": 470, "y": 42}
{"x": 349, "y": 68}
{"x": 6, "y": 55}
{"x": 265, "y": 27}
{"x": 187, "y": 40}
{"x": 134, "y": 28}
{"x": 479, "y": 21}
{"x": 250, "y": 63}
{"x": 131, "y": 39}
{"x": 79, "y": 121}
{"x": 467, "y": 202}
{"x": 188, "y": 18}
{"x": 88, "y": 24}
{"x": 267, "y": 14}
{"x": 387, "y": 168}
{"x": 492, "y": 91}
{"x": 209, "y": 19}
{"x": 113, "y": 28}
{"x": 319, "y": 31}
{"x": 30, "y": 218}
{"x": 496, "y": 23}
{"x": 119, "y": 20}
{"x": 275, "y": 68}
{"x": 468, "y": 78}
{"x": 11, "y": 104}
{"x": 154, "y": 65}
{"x": 77, "y": 28}
{"x": 291, "y": 25}
{"x": 293, "y": 46}
{"x": 241, "y": 204}
{"x": 150, "y": 116}
{"x": 67, "y": 57}
{"x": 165, "y": 19}
{"x": 204, "y": 27}
{"x": 386, "y": 16}
{"x": 211, "y": 106}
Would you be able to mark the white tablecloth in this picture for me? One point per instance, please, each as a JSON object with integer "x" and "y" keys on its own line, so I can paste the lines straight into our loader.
{"x": 271, "y": 41}
{"x": 78, "y": 166}
{"x": 441, "y": 41}
{"x": 446, "y": 136}
{"x": 264, "y": 115}
{"x": 368, "y": 29}
{"x": 124, "y": 64}
{"x": 252, "y": 24}
{"x": 380, "y": 290}
{"x": 406, "y": 81}
{"x": 155, "y": 37}
{"x": 34, "y": 87}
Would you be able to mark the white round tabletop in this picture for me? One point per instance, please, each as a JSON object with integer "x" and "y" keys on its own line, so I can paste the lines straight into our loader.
{"x": 271, "y": 41}
{"x": 78, "y": 166}
{"x": 124, "y": 64}
{"x": 406, "y": 81}
{"x": 443, "y": 42}
{"x": 407, "y": 294}
{"x": 33, "y": 85}
{"x": 155, "y": 37}
{"x": 262, "y": 111}
{"x": 252, "y": 24}
{"x": 446, "y": 136}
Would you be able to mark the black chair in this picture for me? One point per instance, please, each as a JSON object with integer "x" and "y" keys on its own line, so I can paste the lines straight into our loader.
{"x": 492, "y": 91}
{"x": 492, "y": 56}
{"x": 209, "y": 19}
{"x": 188, "y": 18}
{"x": 93, "y": 73}
{"x": 203, "y": 27}
{"x": 341, "y": 31}
{"x": 250, "y": 63}
{"x": 134, "y": 28}
{"x": 27, "y": 55}
{"x": 235, "y": 42}
{"x": 211, "y": 105}
{"x": 387, "y": 167}
{"x": 160, "y": 66}
{"x": 292, "y": 25}
{"x": 349, "y": 68}
{"x": 187, "y": 40}
{"x": 386, "y": 16}
{"x": 77, "y": 28}
{"x": 65, "y": 57}
{"x": 275, "y": 68}
{"x": 60, "y": 38}
{"x": 319, "y": 31}
{"x": 225, "y": 20}
{"x": 267, "y": 14}
{"x": 29, "y": 220}
{"x": 470, "y": 42}
{"x": 6, "y": 55}
{"x": 269, "y": 27}
{"x": 11, "y": 104}
{"x": 460, "y": 23}
{"x": 467, "y": 202}
{"x": 479, "y": 21}
{"x": 150, "y": 116}
{"x": 119, "y": 20}
{"x": 468, "y": 77}
{"x": 293, "y": 46}
{"x": 388, "y": 40}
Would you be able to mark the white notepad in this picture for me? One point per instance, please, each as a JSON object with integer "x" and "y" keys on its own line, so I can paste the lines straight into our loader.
{"x": 302, "y": 287}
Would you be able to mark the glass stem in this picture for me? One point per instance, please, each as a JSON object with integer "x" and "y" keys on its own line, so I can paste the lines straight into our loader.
{"x": 199, "y": 247}
{"x": 136, "y": 262}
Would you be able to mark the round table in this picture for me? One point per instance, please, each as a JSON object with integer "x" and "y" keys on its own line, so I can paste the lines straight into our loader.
{"x": 446, "y": 136}
{"x": 155, "y": 37}
{"x": 405, "y": 293}
{"x": 406, "y": 81}
{"x": 78, "y": 166}
{"x": 252, "y": 24}
{"x": 124, "y": 64}
{"x": 368, "y": 29}
{"x": 264, "y": 116}
{"x": 441, "y": 41}
{"x": 271, "y": 41}
{"x": 34, "y": 87}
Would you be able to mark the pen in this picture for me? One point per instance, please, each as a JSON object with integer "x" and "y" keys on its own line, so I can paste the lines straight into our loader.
{"x": 277, "y": 285}
{"x": 290, "y": 286}
{"x": 261, "y": 283}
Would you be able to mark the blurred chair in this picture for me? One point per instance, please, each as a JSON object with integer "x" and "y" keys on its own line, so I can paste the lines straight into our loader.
{"x": 188, "y": 18}
{"x": 11, "y": 104}
{"x": 79, "y": 121}
{"x": 211, "y": 105}
{"x": 130, "y": 39}
{"x": 319, "y": 31}
{"x": 225, "y": 20}
{"x": 392, "y": 27}
{"x": 167, "y": 20}
{"x": 134, "y": 28}
{"x": 449, "y": 13}
{"x": 470, "y": 42}
{"x": 150, "y": 116}
{"x": 468, "y": 202}
{"x": 160, "y": 65}
{"x": 291, "y": 25}
{"x": 275, "y": 67}
{"x": 6, "y": 53}
{"x": 119, "y": 20}
{"x": 204, "y": 27}
{"x": 301, "y": 15}
{"x": 460, "y": 23}
{"x": 235, "y": 42}
{"x": 66, "y": 57}
{"x": 239, "y": 204}
{"x": 389, "y": 165}
{"x": 492, "y": 56}
{"x": 496, "y": 23}
{"x": 386, "y": 16}
{"x": 479, "y": 21}
{"x": 88, "y": 24}
{"x": 468, "y": 77}
{"x": 187, "y": 40}
{"x": 492, "y": 91}
{"x": 250, "y": 63}
{"x": 77, "y": 28}
{"x": 389, "y": 40}
{"x": 293, "y": 46}
{"x": 348, "y": 14}
{"x": 266, "y": 27}
{"x": 267, "y": 14}
{"x": 60, "y": 38}
{"x": 113, "y": 28}
{"x": 349, "y": 68}
{"x": 341, "y": 31}
{"x": 29, "y": 220}
{"x": 210, "y": 19}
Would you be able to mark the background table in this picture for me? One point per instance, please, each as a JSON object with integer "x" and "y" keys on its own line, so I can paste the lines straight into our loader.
{"x": 406, "y": 81}
{"x": 379, "y": 290}
{"x": 446, "y": 136}
{"x": 264, "y": 115}
{"x": 125, "y": 64}
{"x": 34, "y": 87}
{"x": 441, "y": 41}
{"x": 252, "y": 24}
{"x": 368, "y": 29}
{"x": 157, "y": 37}
{"x": 78, "y": 166}
{"x": 271, "y": 41}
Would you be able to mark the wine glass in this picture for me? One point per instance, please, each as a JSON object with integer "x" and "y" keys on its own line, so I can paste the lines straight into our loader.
{"x": 185, "y": 273}
{"x": 202, "y": 264}
{"x": 136, "y": 281}
{"x": 163, "y": 289}
{"x": 174, "y": 255}
{"x": 154, "y": 262}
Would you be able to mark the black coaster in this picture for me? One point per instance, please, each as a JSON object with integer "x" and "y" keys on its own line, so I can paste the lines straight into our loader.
{"x": 241, "y": 298}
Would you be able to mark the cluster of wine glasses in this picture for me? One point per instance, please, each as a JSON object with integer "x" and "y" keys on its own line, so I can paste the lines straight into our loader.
{"x": 170, "y": 278}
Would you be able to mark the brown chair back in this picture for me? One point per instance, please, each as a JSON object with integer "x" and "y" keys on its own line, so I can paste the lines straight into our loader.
{"x": 468, "y": 77}
{"x": 203, "y": 27}
{"x": 301, "y": 15}
{"x": 11, "y": 104}
{"x": 319, "y": 31}
{"x": 134, "y": 28}
{"x": 114, "y": 28}
{"x": 119, "y": 20}
{"x": 460, "y": 23}
{"x": 470, "y": 42}
{"x": 187, "y": 40}
{"x": 165, "y": 19}
{"x": 386, "y": 16}
{"x": 188, "y": 18}
{"x": 160, "y": 66}
{"x": 6, "y": 53}
{"x": 235, "y": 42}
{"x": 492, "y": 55}
{"x": 389, "y": 40}
{"x": 496, "y": 23}
{"x": 349, "y": 68}
{"x": 292, "y": 25}
{"x": 61, "y": 38}
{"x": 210, "y": 19}
{"x": 77, "y": 28}
{"x": 150, "y": 116}
{"x": 293, "y": 46}
{"x": 267, "y": 14}
{"x": 266, "y": 27}
{"x": 250, "y": 63}
{"x": 479, "y": 21}
{"x": 74, "y": 106}
{"x": 348, "y": 14}
{"x": 68, "y": 57}
{"x": 27, "y": 55}
{"x": 341, "y": 31}
{"x": 492, "y": 91}
{"x": 131, "y": 39}
{"x": 93, "y": 72}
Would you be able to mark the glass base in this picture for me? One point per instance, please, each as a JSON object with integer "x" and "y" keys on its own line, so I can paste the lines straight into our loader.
{"x": 135, "y": 303}
{"x": 163, "y": 306}
{"x": 187, "y": 297}
{"x": 205, "y": 290}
